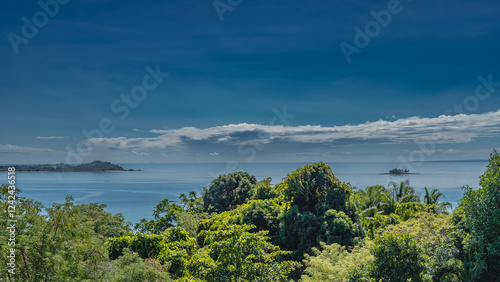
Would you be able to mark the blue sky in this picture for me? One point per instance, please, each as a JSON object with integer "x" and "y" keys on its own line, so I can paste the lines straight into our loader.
{"x": 426, "y": 87}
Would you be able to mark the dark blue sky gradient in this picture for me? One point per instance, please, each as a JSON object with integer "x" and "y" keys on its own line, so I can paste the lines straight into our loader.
{"x": 264, "y": 55}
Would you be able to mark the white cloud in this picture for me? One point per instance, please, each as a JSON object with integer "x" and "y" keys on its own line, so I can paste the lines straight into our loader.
{"x": 18, "y": 149}
{"x": 448, "y": 151}
{"x": 440, "y": 130}
{"x": 52, "y": 137}
{"x": 214, "y": 154}
{"x": 140, "y": 153}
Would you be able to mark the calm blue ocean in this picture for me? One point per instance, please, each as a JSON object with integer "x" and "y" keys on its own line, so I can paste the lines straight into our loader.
{"x": 134, "y": 194}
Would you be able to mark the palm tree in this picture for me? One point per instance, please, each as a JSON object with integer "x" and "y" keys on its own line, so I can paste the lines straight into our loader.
{"x": 369, "y": 203}
{"x": 432, "y": 201}
{"x": 403, "y": 192}
{"x": 398, "y": 194}
{"x": 372, "y": 200}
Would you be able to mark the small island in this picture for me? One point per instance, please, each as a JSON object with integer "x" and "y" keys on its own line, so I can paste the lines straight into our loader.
{"x": 95, "y": 166}
{"x": 398, "y": 171}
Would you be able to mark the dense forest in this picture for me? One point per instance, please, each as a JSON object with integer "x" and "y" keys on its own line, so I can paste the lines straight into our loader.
{"x": 309, "y": 227}
{"x": 95, "y": 166}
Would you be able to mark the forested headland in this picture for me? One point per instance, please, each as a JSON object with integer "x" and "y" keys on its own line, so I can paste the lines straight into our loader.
{"x": 95, "y": 166}
{"x": 310, "y": 227}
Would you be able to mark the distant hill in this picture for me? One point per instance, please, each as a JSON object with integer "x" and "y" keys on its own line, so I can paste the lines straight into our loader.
{"x": 95, "y": 166}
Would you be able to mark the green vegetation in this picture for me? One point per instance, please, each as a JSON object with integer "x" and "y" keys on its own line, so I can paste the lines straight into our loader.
{"x": 399, "y": 171}
{"x": 95, "y": 166}
{"x": 233, "y": 253}
{"x": 173, "y": 247}
{"x": 309, "y": 227}
{"x": 397, "y": 257}
{"x": 478, "y": 217}
{"x": 226, "y": 192}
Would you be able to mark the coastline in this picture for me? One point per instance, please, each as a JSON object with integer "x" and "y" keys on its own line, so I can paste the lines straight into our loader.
{"x": 95, "y": 166}
{"x": 21, "y": 171}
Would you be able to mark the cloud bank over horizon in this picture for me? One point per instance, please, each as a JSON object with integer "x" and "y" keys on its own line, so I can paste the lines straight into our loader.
{"x": 444, "y": 129}
{"x": 290, "y": 143}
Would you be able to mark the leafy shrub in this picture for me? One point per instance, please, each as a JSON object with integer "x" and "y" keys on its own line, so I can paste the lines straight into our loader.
{"x": 302, "y": 231}
{"x": 131, "y": 267}
{"x": 262, "y": 214}
{"x": 232, "y": 253}
{"x": 173, "y": 247}
{"x": 396, "y": 258}
{"x": 335, "y": 263}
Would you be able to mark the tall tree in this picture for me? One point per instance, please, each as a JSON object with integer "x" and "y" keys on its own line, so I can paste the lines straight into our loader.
{"x": 226, "y": 192}
{"x": 398, "y": 194}
{"x": 318, "y": 210}
{"x": 315, "y": 185}
{"x": 480, "y": 214}
{"x": 432, "y": 201}
{"x": 165, "y": 216}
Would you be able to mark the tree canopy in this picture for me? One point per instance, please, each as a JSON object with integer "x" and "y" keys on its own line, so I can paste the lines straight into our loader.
{"x": 309, "y": 227}
{"x": 226, "y": 192}
{"x": 479, "y": 217}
